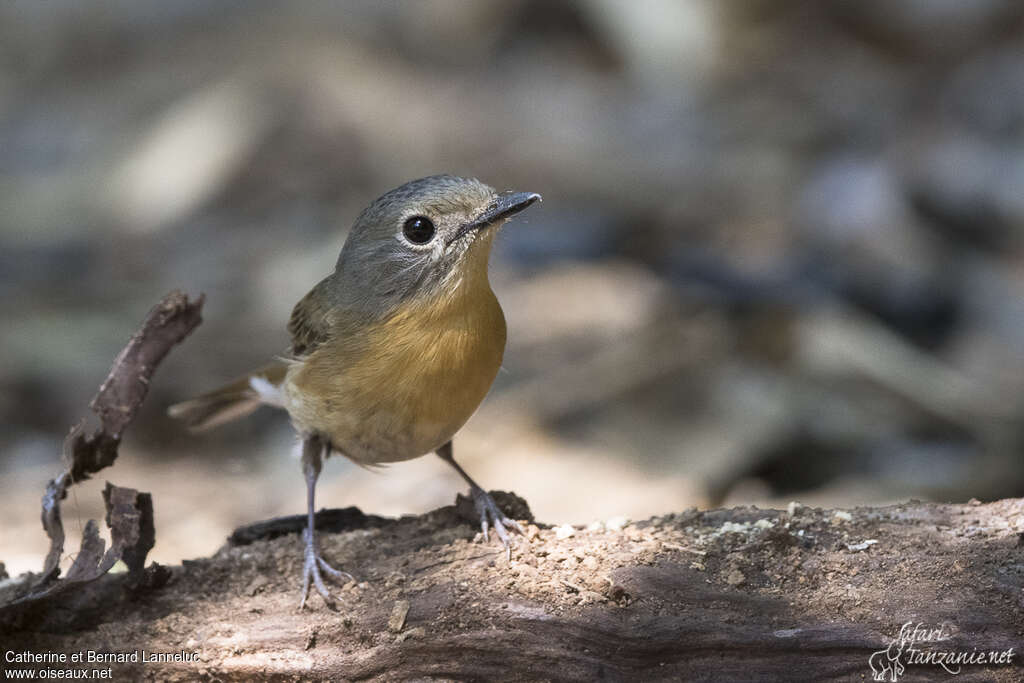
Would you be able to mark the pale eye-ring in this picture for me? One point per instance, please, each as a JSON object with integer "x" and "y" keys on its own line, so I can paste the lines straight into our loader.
{"x": 419, "y": 230}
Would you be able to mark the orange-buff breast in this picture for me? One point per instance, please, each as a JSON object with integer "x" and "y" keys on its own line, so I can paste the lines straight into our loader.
{"x": 402, "y": 387}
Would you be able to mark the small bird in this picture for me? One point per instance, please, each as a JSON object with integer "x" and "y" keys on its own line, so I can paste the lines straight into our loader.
{"x": 393, "y": 351}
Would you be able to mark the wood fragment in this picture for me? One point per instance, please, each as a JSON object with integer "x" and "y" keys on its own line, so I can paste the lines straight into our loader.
{"x": 398, "y": 614}
{"x": 129, "y": 512}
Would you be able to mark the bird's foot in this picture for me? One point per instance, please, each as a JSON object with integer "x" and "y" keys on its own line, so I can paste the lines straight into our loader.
{"x": 311, "y": 572}
{"x": 491, "y": 516}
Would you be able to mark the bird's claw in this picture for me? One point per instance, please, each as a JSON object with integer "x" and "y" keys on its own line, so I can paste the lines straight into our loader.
{"x": 491, "y": 516}
{"x": 311, "y": 572}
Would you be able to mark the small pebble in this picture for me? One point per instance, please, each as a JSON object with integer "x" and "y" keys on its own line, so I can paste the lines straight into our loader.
{"x": 863, "y": 545}
{"x": 616, "y": 523}
{"x": 564, "y": 531}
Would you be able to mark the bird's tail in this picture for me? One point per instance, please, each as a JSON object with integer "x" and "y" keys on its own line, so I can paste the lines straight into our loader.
{"x": 232, "y": 401}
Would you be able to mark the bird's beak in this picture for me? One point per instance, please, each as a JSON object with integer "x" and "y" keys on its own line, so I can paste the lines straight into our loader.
{"x": 505, "y": 206}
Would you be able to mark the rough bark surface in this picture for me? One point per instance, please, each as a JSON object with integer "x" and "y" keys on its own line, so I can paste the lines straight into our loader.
{"x": 740, "y": 594}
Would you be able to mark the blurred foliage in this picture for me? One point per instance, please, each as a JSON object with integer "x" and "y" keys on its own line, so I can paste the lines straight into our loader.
{"x": 779, "y": 254}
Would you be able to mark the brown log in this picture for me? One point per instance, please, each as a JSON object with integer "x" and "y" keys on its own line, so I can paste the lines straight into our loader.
{"x": 740, "y": 594}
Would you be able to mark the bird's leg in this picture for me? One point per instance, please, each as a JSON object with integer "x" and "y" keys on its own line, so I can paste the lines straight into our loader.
{"x": 490, "y": 514}
{"x": 312, "y": 449}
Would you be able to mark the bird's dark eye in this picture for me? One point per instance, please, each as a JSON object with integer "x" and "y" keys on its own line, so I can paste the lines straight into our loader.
{"x": 418, "y": 230}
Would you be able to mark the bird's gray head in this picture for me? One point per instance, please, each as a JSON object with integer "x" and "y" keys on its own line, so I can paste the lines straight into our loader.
{"x": 423, "y": 238}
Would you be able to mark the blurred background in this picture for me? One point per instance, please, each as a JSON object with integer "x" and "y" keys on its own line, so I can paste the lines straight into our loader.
{"x": 780, "y": 255}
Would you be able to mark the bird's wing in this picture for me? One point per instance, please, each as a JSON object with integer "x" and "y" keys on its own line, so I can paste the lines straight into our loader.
{"x": 309, "y": 323}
